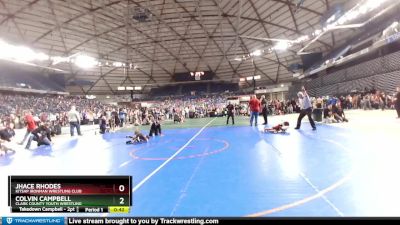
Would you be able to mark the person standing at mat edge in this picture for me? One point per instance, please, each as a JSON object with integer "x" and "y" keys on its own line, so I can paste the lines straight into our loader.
{"x": 30, "y": 126}
{"x": 74, "y": 121}
{"x": 255, "y": 106}
{"x": 397, "y": 103}
{"x": 306, "y": 108}
{"x": 231, "y": 113}
{"x": 264, "y": 109}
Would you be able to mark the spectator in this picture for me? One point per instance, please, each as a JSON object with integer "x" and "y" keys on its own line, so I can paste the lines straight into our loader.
{"x": 231, "y": 113}
{"x": 264, "y": 109}
{"x": 254, "y": 105}
{"x": 122, "y": 116}
{"x": 397, "y": 102}
{"x": 74, "y": 121}
{"x": 30, "y": 126}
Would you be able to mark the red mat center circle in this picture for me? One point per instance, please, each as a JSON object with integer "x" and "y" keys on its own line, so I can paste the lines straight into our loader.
{"x": 206, "y": 153}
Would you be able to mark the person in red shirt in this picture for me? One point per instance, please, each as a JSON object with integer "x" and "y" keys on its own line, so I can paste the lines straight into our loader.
{"x": 255, "y": 107}
{"x": 30, "y": 125}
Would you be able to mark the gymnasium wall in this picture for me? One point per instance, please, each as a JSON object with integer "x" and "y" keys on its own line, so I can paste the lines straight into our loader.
{"x": 382, "y": 73}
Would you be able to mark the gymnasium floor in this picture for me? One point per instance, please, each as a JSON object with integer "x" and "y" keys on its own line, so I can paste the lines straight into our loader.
{"x": 349, "y": 169}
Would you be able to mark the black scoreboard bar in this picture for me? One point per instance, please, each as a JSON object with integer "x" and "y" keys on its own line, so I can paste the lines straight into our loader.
{"x": 70, "y": 194}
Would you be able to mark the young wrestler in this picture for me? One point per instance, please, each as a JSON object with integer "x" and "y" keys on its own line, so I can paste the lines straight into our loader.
{"x": 5, "y": 136}
{"x": 278, "y": 128}
{"x": 7, "y": 133}
{"x": 138, "y": 138}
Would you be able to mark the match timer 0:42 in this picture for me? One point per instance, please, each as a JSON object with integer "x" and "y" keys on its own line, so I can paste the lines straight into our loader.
{"x": 118, "y": 209}
{"x": 86, "y": 194}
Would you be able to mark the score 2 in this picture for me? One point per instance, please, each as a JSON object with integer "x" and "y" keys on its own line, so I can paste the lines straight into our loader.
{"x": 122, "y": 194}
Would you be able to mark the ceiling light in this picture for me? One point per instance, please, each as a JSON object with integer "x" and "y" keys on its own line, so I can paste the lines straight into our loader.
{"x": 257, "y": 77}
{"x": 330, "y": 26}
{"x": 317, "y": 32}
{"x": 242, "y": 79}
{"x": 107, "y": 96}
{"x": 331, "y": 19}
{"x": 90, "y": 96}
{"x": 121, "y": 88}
{"x": 85, "y": 61}
{"x": 302, "y": 38}
{"x": 59, "y": 59}
{"x": 24, "y": 54}
{"x": 341, "y": 20}
{"x": 256, "y": 53}
{"x": 117, "y": 64}
{"x": 282, "y": 45}
{"x": 372, "y": 4}
{"x": 129, "y": 88}
{"x": 20, "y": 53}
{"x": 138, "y": 88}
{"x": 282, "y": 85}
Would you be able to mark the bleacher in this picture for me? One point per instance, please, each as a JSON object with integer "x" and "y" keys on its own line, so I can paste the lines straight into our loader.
{"x": 217, "y": 88}
{"x": 382, "y": 73}
{"x": 164, "y": 91}
{"x": 198, "y": 88}
{"x": 29, "y": 80}
{"x": 371, "y": 33}
{"x": 187, "y": 89}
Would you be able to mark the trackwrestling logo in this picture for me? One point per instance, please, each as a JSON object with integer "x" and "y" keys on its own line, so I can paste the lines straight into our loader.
{"x": 33, "y": 220}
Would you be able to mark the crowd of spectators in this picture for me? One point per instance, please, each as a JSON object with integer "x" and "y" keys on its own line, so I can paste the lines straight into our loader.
{"x": 53, "y": 108}
{"x": 333, "y": 107}
{"x": 366, "y": 100}
{"x": 43, "y": 107}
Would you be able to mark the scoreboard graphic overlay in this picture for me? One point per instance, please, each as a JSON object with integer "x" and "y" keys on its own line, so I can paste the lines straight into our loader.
{"x": 70, "y": 194}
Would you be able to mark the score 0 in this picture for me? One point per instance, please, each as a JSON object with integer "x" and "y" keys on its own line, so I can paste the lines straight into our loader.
{"x": 122, "y": 189}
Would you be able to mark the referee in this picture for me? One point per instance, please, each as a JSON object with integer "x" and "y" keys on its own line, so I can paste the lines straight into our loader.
{"x": 306, "y": 108}
{"x": 231, "y": 113}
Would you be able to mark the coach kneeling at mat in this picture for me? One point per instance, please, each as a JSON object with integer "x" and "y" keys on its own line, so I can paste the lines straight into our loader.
{"x": 42, "y": 135}
{"x": 155, "y": 128}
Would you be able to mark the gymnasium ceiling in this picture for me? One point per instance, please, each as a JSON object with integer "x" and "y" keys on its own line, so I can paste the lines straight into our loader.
{"x": 180, "y": 36}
